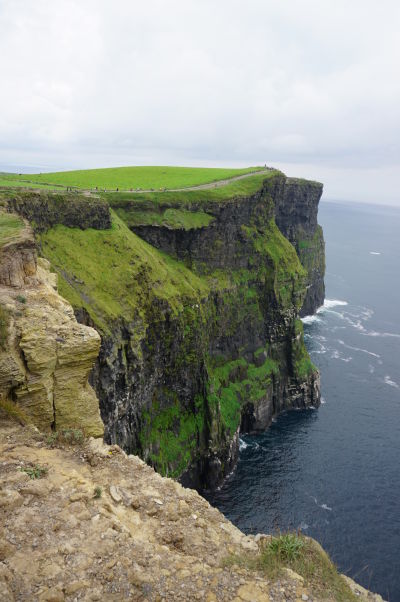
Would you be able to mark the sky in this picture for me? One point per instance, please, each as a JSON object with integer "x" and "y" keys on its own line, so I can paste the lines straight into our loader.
{"x": 311, "y": 87}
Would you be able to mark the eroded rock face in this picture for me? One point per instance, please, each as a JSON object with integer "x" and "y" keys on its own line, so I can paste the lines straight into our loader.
{"x": 44, "y": 210}
{"x": 46, "y": 356}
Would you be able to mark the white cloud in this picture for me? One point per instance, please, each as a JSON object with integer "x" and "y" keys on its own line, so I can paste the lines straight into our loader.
{"x": 94, "y": 83}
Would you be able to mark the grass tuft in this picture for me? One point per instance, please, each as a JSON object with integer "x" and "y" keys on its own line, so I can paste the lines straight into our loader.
{"x": 65, "y": 436}
{"x": 98, "y": 492}
{"x": 13, "y": 411}
{"x": 36, "y": 471}
{"x": 305, "y": 557}
{"x": 286, "y": 547}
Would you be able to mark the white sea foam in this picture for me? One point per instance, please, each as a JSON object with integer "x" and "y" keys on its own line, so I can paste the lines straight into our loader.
{"x": 371, "y": 369}
{"x": 323, "y": 401}
{"x": 391, "y": 382}
{"x": 358, "y": 349}
{"x": 374, "y": 253}
{"x": 374, "y": 333}
{"x": 242, "y": 444}
{"x": 325, "y": 507}
{"x": 311, "y": 319}
{"x": 329, "y": 303}
{"x": 337, "y": 356}
{"x": 322, "y": 348}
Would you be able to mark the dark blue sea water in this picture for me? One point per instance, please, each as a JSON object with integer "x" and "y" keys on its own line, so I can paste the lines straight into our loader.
{"x": 335, "y": 472}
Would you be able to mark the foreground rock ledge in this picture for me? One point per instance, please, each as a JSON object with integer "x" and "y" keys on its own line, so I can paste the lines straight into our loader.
{"x": 144, "y": 537}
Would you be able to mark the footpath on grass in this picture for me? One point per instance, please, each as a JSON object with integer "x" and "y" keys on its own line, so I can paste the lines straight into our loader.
{"x": 31, "y": 184}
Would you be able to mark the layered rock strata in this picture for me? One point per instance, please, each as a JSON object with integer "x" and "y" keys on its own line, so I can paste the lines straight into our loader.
{"x": 45, "y": 355}
{"x": 44, "y": 210}
{"x": 296, "y": 215}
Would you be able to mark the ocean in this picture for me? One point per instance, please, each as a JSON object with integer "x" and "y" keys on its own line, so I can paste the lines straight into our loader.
{"x": 334, "y": 472}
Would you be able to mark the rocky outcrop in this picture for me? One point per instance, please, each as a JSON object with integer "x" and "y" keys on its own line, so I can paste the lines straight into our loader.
{"x": 45, "y": 356}
{"x": 101, "y": 525}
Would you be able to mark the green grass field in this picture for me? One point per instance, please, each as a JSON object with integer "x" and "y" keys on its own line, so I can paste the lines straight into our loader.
{"x": 15, "y": 181}
{"x": 125, "y": 178}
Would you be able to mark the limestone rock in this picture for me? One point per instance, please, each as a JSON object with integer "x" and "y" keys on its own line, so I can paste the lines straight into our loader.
{"x": 48, "y": 356}
{"x": 55, "y": 548}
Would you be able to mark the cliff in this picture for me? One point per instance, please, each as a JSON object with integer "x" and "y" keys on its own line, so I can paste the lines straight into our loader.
{"x": 296, "y": 214}
{"x": 45, "y": 355}
{"x": 87, "y": 522}
{"x": 196, "y": 297}
{"x": 199, "y": 339}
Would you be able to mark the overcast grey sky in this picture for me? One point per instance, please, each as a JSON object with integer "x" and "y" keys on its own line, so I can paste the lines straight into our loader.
{"x": 311, "y": 86}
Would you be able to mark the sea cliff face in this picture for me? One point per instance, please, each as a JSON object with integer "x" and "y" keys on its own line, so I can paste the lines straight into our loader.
{"x": 296, "y": 215}
{"x": 196, "y": 299}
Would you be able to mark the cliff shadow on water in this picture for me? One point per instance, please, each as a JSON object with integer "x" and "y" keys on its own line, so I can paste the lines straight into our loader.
{"x": 197, "y": 297}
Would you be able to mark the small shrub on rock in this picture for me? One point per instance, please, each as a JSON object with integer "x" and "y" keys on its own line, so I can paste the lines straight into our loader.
{"x": 36, "y": 471}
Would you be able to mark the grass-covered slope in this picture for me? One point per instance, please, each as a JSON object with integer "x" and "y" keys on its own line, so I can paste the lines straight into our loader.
{"x": 147, "y": 177}
{"x": 114, "y": 274}
{"x": 14, "y": 181}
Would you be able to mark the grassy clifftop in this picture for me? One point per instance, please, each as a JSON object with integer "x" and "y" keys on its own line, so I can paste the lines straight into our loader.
{"x": 147, "y": 177}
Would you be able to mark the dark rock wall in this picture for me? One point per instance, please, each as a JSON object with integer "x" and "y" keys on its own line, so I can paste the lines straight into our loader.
{"x": 44, "y": 210}
{"x": 296, "y": 212}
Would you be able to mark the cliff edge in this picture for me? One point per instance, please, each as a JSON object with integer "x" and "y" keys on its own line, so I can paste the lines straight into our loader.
{"x": 88, "y": 522}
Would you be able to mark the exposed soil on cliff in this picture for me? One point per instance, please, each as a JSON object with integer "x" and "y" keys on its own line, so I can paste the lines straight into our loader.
{"x": 101, "y": 525}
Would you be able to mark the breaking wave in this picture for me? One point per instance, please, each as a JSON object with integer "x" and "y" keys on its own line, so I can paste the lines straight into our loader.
{"x": 329, "y": 303}
{"x": 391, "y": 382}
